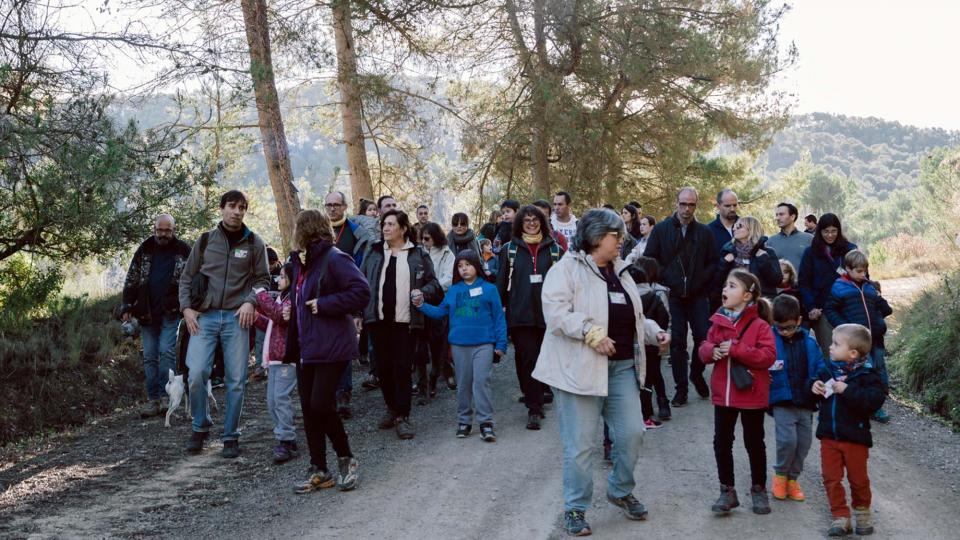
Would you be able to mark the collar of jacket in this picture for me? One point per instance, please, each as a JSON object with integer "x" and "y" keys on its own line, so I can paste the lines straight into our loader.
{"x": 385, "y": 247}
{"x": 583, "y": 258}
{"x": 800, "y": 335}
{"x": 677, "y": 224}
{"x": 318, "y": 248}
{"x": 749, "y": 313}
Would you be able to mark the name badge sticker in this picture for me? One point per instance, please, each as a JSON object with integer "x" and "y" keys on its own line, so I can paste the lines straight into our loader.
{"x": 240, "y": 253}
{"x": 536, "y": 278}
{"x": 618, "y": 298}
{"x": 476, "y": 291}
{"x": 777, "y": 365}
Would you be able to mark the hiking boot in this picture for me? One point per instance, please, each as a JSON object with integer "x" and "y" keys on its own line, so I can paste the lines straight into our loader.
{"x": 349, "y": 477}
{"x": 779, "y": 487}
{"x": 679, "y": 400}
{"x": 231, "y": 449}
{"x": 630, "y": 505}
{"x": 487, "y": 434}
{"x": 533, "y": 421}
{"x": 650, "y": 423}
{"x": 864, "y": 520}
{"x": 794, "y": 493}
{"x": 463, "y": 431}
{"x": 839, "y": 527}
{"x": 404, "y": 428}
{"x": 317, "y": 480}
{"x": 150, "y": 409}
{"x": 387, "y": 421}
{"x": 371, "y": 382}
{"x": 285, "y": 451}
{"x": 881, "y": 416}
{"x": 726, "y": 502}
{"x": 702, "y": 388}
{"x": 195, "y": 443}
{"x": 343, "y": 405}
{"x": 575, "y": 522}
{"x": 761, "y": 504}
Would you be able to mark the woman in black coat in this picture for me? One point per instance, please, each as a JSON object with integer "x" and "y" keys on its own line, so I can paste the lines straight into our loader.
{"x": 748, "y": 251}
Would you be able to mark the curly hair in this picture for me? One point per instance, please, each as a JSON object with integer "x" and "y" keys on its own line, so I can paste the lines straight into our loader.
{"x": 312, "y": 225}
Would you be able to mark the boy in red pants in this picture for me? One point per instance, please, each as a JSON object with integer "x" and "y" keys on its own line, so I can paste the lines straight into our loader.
{"x": 852, "y": 391}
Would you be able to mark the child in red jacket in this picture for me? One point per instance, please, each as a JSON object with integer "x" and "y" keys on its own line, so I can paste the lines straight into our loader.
{"x": 741, "y": 346}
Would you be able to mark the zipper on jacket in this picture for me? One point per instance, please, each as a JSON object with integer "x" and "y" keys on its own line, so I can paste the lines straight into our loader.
{"x": 833, "y": 417}
{"x": 866, "y": 310}
{"x": 226, "y": 272}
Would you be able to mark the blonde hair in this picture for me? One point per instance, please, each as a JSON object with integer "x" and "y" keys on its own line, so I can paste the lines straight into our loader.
{"x": 788, "y": 269}
{"x": 856, "y": 259}
{"x": 753, "y": 227}
{"x": 312, "y": 225}
{"x": 855, "y": 336}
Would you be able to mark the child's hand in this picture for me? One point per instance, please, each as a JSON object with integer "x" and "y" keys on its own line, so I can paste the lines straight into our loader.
{"x": 286, "y": 313}
{"x": 717, "y": 354}
{"x": 839, "y": 387}
{"x": 819, "y": 388}
{"x": 497, "y": 356}
{"x": 729, "y": 257}
{"x": 725, "y": 347}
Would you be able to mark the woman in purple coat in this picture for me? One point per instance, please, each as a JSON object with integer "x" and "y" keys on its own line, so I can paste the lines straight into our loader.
{"x": 327, "y": 291}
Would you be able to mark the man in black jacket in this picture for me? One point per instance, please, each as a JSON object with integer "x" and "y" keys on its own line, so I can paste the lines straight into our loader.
{"x": 150, "y": 295}
{"x": 687, "y": 254}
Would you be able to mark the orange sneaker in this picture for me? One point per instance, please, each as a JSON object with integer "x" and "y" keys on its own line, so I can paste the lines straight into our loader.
{"x": 779, "y": 487}
{"x": 794, "y": 493}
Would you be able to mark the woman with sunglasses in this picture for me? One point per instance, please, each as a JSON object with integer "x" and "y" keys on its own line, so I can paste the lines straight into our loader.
{"x": 433, "y": 240}
{"x": 461, "y": 237}
{"x": 748, "y": 251}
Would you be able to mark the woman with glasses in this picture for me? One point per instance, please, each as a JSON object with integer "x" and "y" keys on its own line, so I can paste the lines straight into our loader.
{"x": 461, "y": 237}
{"x": 524, "y": 262}
{"x": 593, "y": 356}
{"x": 748, "y": 251}
{"x": 435, "y": 243}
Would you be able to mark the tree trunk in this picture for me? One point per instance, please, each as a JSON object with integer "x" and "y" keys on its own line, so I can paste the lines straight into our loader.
{"x": 539, "y": 142}
{"x": 350, "y": 105}
{"x": 271, "y": 122}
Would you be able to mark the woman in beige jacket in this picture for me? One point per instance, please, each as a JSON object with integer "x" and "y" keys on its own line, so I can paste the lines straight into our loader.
{"x": 592, "y": 355}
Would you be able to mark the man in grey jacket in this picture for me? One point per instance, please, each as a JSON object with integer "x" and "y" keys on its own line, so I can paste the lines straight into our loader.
{"x": 234, "y": 262}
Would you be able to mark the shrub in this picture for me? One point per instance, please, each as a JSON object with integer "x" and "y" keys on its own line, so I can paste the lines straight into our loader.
{"x": 926, "y": 353}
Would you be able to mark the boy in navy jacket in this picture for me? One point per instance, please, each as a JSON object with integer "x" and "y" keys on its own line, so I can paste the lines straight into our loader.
{"x": 851, "y": 391}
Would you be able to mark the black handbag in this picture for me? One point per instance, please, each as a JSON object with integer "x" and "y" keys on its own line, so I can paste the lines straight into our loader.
{"x": 742, "y": 378}
{"x": 198, "y": 285}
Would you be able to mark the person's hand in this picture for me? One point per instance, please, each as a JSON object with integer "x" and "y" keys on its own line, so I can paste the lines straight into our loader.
{"x": 725, "y": 347}
{"x": 312, "y": 304}
{"x": 247, "y": 315}
{"x": 286, "y": 312}
{"x": 761, "y": 252}
{"x": 498, "y": 352}
{"x": 663, "y": 339}
{"x": 606, "y": 347}
{"x": 358, "y": 324}
{"x": 819, "y": 388}
{"x": 416, "y": 297}
{"x": 729, "y": 257}
{"x": 258, "y": 290}
{"x": 814, "y": 314}
{"x": 190, "y": 317}
{"x": 839, "y": 387}
{"x": 717, "y": 354}
{"x": 125, "y": 316}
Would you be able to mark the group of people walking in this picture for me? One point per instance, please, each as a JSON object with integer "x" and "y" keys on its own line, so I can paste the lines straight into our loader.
{"x": 590, "y": 304}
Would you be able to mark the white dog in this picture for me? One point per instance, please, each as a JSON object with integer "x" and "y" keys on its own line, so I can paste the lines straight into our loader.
{"x": 176, "y": 388}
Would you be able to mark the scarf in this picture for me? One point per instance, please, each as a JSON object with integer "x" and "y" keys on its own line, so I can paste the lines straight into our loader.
{"x": 335, "y": 224}
{"x": 461, "y": 241}
{"x": 534, "y": 239}
{"x": 741, "y": 253}
{"x": 734, "y": 316}
{"x": 842, "y": 369}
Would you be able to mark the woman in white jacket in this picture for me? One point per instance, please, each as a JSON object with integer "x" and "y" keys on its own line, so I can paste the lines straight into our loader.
{"x": 592, "y": 355}
{"x": 434, "y": 241}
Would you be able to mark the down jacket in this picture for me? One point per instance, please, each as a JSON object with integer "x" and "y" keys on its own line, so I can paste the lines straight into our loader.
{"x": 850, "y": 302}
{"x": 270, "y": 320}
{"x": 817, "y": 273}
{"x": 801, "y": 356}
{"x": 755, "y": 350}
{"x": 574, "y": 301}
{"x": 846, "y": 416}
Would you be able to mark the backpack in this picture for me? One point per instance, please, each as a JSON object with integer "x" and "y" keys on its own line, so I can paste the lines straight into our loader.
{"x": 512, "y": 256}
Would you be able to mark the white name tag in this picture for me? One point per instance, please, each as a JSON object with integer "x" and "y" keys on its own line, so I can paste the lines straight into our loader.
{"x": 777, "y": 365}
{"x": 618, "y": 298}
{"x": 476, "y": 291}
{"x": 841, "y": 271}
{"x": 536, "y": 278}
{"x": 240, "y": 253}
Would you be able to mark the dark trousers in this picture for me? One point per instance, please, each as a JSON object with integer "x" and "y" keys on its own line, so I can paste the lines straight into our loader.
{"x": 526, "y": 345}
{"x": 652, "y": 381}
{"x": 724, "y": 425}
{"x": 439, "y": 348}
{"x": 394, "y": 346}
{"x": 317, "y": 384}
{"x": 687, "y": 313}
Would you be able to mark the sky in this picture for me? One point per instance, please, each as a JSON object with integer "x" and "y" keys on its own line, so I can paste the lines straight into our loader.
{"x": 891, "y": 59}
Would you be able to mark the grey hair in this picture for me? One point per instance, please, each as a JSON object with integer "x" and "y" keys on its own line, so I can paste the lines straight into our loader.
{"x": 688, "y": 189}
{"x": 167, "y": 217}
{"x": 593, "y": 226}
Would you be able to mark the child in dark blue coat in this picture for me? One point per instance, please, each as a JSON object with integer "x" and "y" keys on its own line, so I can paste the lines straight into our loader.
{"x": 791, "y": 402}
{"x": 854, "y": 299}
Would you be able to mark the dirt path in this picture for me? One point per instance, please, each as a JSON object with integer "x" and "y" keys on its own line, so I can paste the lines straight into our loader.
{"x": 124, "y": 477}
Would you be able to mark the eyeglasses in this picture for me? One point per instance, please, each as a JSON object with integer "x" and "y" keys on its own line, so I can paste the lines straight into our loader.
{"x": 787, "y": 328}
{"x": 615, "y": 234}
{"x": 738, "y": 226}
{"x": 688, "y": 204}
{"x": 531, "y": 221}
{"x": 333, "y": 205}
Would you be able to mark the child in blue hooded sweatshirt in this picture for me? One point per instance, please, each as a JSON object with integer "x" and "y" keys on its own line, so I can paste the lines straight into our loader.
{"x": 478, "y": 338}
{"x": 792, "y": 403}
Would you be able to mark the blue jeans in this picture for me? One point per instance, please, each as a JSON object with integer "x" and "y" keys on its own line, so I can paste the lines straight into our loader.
{"x": 684, "y": 312}
{"x": 878, "y": 358}
{"x": 345, "y": 385}
{"x": 280, "y": 386}
{"x": 258, "y": 346}
{"x": 580, "y": 432}
{"x": 159, "y": 355}
{"x": 221, "y": 326}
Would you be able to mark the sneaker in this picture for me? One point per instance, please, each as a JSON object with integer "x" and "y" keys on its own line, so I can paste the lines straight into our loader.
{"x": 650, "y": 423}
{"x": 371, "y": 382}
{"x": 231, "y": 449}
{"x": 761, "y": 504}
{"x": 150, "y": 409}
{"x": 451, "y": 383}
{"x": 726, "y": 502}
{"x": 285, "y": 451}
{"x": 881, "y": 416}
{"x": 779, "y": 487}
{"x": 840, "y": 527}
{"x": 404, "y": 428}
{"x": 463, "y": 431}
{"x": 487, "y": 434}
{"x": 387, "y": 421}
{"x": 216, "y": 382}
{"x": 630, "y": 505}
{"x": 794, "y": 493}
{"x": 575, "y": 522}
{"x": 195, "y": 443}
{"x": 317, "y": 480}
{"x": 702, "y": 388}
{"x": 533, "y": 421}
{"x": 679, "y": 401}
{"x": 343, "y": 405}
{"x": 349, "y": 477}
{"x": 864, "y": 520}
